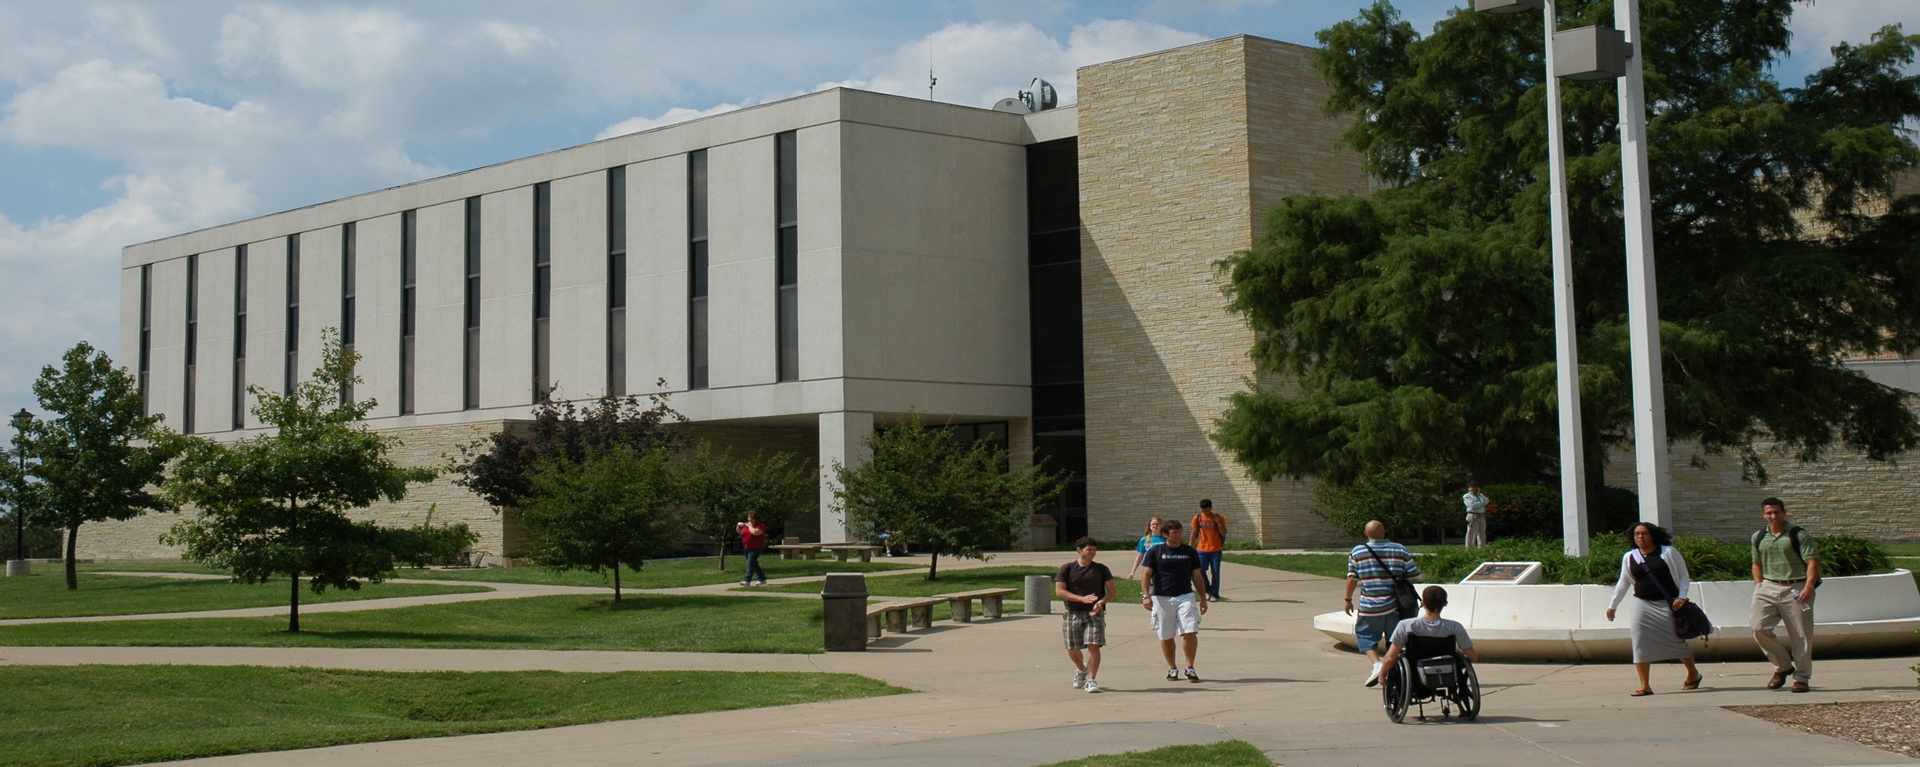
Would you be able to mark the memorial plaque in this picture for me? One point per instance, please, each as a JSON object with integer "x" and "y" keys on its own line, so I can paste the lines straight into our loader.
{"x": 1504, "y": 572}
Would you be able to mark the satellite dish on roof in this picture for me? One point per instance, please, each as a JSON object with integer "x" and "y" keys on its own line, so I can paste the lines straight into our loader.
{"x": 1040, "y": 96}
{"x": 1015, "y": 106}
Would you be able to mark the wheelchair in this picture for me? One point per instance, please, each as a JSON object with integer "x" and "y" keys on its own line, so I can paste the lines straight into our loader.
{"x": 1431, "y": 669}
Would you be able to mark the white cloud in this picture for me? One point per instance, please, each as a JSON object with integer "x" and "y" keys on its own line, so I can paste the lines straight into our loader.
{"x": 671, "y": 116}
{"x": 1817, "y": 28}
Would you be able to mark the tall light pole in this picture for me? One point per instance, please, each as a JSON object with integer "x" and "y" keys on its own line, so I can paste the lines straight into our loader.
{"x": 1643, "y": 300}
{"x": 1573, "y": 464}
{"x": 18, "y": 566}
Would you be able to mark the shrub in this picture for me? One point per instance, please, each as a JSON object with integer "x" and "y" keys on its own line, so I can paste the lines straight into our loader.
{"x": 1533, "y": 511}
{"x": 1412, "y": 500}
{"x": 1707, "y": 559}
{"x": 1849, "y": 555}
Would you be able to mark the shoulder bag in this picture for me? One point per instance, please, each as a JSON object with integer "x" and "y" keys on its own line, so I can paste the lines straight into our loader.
{"x": 1689, "y": 621}
{"x": 1406, "y": 602}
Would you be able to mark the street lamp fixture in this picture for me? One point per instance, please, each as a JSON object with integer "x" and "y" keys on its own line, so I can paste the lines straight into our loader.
{"x": 21, "y": 421}
{"x": 1599, "y": 53}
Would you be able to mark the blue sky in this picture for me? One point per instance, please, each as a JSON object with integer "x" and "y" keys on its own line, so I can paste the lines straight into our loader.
{"x": 122, "y": 122}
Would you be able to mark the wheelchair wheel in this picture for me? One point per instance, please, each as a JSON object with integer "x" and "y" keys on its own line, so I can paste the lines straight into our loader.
{"x": 1467, "y": 693}
{"x": 1396, "y": 691}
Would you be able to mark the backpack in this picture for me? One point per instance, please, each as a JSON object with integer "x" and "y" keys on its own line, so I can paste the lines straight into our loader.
{"x": 1793, "y": 539}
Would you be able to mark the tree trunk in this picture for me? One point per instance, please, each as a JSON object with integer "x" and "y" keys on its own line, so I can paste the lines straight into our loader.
{"x": 933, "y": 565}
{"x": 293, "y": 611}
{"x": 723, "y": 555}
{"x": 616, "y": 581}
{"x": 73, "y": 578}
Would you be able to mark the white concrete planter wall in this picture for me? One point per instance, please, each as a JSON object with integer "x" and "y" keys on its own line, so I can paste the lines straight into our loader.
{"x": 1856, "y": 615}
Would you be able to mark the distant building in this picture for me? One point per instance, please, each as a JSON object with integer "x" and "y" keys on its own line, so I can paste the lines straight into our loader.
{"x": 796, "y": 273}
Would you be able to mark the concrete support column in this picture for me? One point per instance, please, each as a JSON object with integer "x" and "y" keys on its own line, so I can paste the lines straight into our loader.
{"x": 843, "y": 438}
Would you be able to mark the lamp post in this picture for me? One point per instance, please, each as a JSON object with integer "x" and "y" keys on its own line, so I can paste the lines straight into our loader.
{"x": 1573, "y": 464}
{"x": 19, "y": 564}
{"x": 1599, "y": 53}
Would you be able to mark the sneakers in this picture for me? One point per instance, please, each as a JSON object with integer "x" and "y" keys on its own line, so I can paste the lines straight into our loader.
{"x": 1080, "y": 680}
{"x": 743, "y": 583}
{"x": 1092, "y": 686}
{"x": 1373, "y": 677}
{"x": 1173, "y": 675}
{"x": 761, "y": 582}
{"x": 1192, "y": 677}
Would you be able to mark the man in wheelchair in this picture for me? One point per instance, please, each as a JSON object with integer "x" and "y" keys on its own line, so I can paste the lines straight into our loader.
{"x": 1430, "y": 658}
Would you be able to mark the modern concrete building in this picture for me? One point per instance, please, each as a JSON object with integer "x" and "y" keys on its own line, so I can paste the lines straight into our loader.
{"x": 793, "y": 275}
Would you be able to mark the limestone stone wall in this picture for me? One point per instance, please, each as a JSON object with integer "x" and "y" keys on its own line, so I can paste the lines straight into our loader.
{"x": 1845, "y": 493}
{"x": 447, "y": 503}
{"x": 1181, "y": 154}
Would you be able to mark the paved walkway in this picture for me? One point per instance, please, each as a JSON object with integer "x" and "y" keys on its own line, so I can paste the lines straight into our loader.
{"x": 996, "y": 693}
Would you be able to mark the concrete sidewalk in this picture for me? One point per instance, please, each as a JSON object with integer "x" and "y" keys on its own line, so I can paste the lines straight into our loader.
{"x": 997, "y": 693}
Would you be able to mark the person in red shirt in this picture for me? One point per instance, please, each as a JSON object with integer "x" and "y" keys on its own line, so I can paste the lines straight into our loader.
{"x": 1210, "y": 539}
{"x": 753, "y": 542}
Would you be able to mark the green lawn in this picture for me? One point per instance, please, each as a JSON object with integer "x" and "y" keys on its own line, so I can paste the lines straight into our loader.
{"x": 107, "y": 715}
{"x": 44, "y": 594}
{"x": 1902, "y": 549}
{"x": 661, "y": 574}
{"x": 1330, "y": 565}
{"x": 1226, "y": 753}
{"x": 133, "y": 567}
{"x": 660, "y": 622}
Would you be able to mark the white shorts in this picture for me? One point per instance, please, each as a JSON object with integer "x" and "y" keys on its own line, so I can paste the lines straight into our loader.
{"x": 1175, "y": 616}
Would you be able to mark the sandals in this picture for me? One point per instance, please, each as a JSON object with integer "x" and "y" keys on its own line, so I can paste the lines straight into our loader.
{"x": 1641, "y": 693}
{"x": 1693, "y": 683}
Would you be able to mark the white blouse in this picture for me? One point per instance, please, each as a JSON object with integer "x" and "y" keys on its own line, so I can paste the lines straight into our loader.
{"x": 1675, "y": 566}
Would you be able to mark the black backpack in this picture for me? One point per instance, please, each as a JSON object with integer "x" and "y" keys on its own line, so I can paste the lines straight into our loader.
{"x": 1793, "y": 539}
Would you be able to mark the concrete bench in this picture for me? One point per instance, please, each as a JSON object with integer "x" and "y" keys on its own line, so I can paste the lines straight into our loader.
{"x": 841, "y": 550}
{"x": 798, "y": 550}
{"x": 897, "y": 613}
{"x": 989, "y": 602}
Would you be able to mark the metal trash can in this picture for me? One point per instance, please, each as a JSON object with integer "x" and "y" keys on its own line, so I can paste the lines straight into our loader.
{"x": 843, "y": 607}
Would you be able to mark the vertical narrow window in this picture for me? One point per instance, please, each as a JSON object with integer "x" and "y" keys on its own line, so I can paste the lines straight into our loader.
{"x": 146, "y": 333}
{"x": 409, "y": 307}
{"x": 237, "y": 414}
{"x": 617, "y": 282}
{"x": 542, "y": 290}
{"x": 349, "y": 296}
{"x": 292, "y": 373}
{"x": 697, "y": 270}
{"x": 787, "y": 317}
{"x": 470, "y": 399}
{"x": 193, "y": 340}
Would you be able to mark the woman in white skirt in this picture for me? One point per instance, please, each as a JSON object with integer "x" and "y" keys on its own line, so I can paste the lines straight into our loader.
{"x": 1657, "y": 574}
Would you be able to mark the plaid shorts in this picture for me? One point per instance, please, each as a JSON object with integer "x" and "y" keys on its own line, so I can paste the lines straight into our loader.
{"x": 1082, "y": 628}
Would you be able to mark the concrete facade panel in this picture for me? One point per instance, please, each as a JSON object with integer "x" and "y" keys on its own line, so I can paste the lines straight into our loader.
{"x": 266, "y": 318}
{"x": 842, "y": 442}
{"x": 580, "y": 285}
{"x": 377, "y": 337}
{"x": 820, "y": 208}
{"x": 657, "y": 274}
{"x": 213, "y": 374}
{"x": 168, "y": 341}
{"x": 506, "y": 298}
{"x": 743, "y": 243}
{"x": 128, "y": 355}
{"x": 320, "y": 281}
{"x": 439, "y": 359}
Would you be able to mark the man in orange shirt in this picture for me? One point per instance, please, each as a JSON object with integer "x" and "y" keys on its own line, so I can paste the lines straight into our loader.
{"x": 1210, "y": 539}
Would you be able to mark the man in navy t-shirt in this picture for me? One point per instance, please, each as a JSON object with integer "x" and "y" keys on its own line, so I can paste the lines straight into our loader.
{"x": 1173, "y": 589}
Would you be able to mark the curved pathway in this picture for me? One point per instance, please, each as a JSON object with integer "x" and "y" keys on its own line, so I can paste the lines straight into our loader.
{"x": 996, "y": 693}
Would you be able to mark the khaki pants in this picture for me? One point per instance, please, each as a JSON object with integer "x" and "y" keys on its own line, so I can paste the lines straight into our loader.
{"x": 1476, "y": 531}
{"x": 1773, "y": 604}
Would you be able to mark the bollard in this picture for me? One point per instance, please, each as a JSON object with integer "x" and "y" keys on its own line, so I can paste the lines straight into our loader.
{"x": 1039, "y": 595}
{"x": 843, "y": 607}
{"x": 18, "y": 567}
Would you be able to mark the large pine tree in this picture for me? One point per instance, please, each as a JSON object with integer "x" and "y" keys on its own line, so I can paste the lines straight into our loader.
{"x": 1417, "y": 321}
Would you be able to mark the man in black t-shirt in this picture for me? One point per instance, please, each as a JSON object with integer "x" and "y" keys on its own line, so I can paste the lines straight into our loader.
{"x": 1086, "y": 587}
{"x": 1173, "y": 589}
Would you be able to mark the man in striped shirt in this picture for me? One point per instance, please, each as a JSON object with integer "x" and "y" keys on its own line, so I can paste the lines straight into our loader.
{"x": 1371, "y": 567}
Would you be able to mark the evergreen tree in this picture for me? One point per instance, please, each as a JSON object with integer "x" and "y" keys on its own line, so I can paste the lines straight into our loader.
{"x": 1414, "y": 325}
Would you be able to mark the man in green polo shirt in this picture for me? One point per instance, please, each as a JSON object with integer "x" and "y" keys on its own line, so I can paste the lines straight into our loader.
{"x": 1786, "y": 568}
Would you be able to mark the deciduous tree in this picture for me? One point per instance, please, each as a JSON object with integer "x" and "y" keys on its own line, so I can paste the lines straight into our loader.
{"x": 1414, "y": 325}
{"x": 276, "y": 504}
{"x": 946, "y": 496}
{"x": 720, "y": 489}
{"x": 96, "y": 456}
{"x": 616, "y": 507}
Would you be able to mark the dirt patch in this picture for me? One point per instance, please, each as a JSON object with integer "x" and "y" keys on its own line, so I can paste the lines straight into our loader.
{"x": 1889, "y": 725}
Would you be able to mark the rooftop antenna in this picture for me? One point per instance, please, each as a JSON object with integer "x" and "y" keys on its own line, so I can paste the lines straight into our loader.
{"x": 931, "y": 80}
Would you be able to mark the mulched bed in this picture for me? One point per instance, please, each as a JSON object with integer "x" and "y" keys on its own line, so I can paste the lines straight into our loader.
{"x": 1890, "y": 725}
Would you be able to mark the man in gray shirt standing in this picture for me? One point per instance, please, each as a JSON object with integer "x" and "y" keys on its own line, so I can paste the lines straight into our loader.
{"x": 1476, "y": 504}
